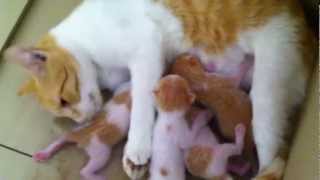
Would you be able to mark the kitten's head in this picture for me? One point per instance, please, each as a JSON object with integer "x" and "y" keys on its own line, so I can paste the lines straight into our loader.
{"x": 173, "y": 93}
{"x": 189, "y": 67}
{"x": 57, "y": 80}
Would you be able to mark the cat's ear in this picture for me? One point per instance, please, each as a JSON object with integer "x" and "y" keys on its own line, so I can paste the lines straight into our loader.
{"x": 31, "y": 59}
{"x": 27, "y": 88}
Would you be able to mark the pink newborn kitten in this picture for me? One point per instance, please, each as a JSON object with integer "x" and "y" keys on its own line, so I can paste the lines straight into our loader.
{"x": 181, "y": 136}
{"x": 99, "y": 136}
{"x": 208, "y": 158}
{"x": 174, "y": 98}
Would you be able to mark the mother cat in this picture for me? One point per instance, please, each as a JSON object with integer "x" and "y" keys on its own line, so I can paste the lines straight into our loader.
{"x": 103, "y": 42}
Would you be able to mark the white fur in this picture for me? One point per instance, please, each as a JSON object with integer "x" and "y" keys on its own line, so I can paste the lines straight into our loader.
{"x": 140, "y": 35}
{"x": 279, "y": 84}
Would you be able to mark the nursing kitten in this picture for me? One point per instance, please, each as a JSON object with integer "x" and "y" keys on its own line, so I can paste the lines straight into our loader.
{"x": 173, "y": 98}
{"x": 98, "y": 137}
{"x": 222, "y": 94}
{"x": 183, "y": 139}
{"x": 103, "y": 42}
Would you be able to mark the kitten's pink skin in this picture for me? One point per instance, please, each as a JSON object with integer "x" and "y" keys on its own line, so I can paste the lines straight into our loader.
{"x": 166, "y": 155}
{"x": 241, "y": 72}
{"x": 200, "y": 121}
{"x": 220, "y": 152}
{"x": 181, "y": 136}
{"x": 41, "y": 156}
{"x": 49, "y": 151}
{"x": 99, "y": 154}
{"x": 211, "y": 67}
{"x": 172, "y": 134}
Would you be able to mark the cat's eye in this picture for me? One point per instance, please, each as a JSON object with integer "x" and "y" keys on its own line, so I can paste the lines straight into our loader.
{"x": 63, "y": 102}
{"x": 39, "y": 56}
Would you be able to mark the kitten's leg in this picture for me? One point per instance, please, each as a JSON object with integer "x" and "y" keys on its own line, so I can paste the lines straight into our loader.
{"x": 49, "y": 151}
{"x": 145, "y": 73}
{"x": 279, "y": 83}
{"x": 99, "y": 154}
{"x": 200, "y": 120}
{"x": 236, "y": 148}
{"x": 222, "y": 152}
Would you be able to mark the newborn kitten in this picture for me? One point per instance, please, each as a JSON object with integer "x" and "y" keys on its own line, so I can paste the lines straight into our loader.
{"x": 108, "y": 128}
{"x": 173, "y": 99}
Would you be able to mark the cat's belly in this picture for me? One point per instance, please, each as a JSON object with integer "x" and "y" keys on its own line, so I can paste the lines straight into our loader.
{"x": 227, "y": 64}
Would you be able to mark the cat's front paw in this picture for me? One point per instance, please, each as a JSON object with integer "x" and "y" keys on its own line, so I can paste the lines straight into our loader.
{"x": 41, "y": 156}
{"x": 136, "y": 159}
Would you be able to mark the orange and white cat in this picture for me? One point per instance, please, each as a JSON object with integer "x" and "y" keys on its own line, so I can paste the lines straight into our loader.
{"x": 103, "y": 42}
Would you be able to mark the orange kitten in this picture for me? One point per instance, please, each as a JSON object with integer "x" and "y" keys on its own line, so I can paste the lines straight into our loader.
{"x": 98, "y": 137}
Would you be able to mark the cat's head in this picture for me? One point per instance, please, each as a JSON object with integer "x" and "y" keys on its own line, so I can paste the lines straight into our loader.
{"x": 58, "y": 80}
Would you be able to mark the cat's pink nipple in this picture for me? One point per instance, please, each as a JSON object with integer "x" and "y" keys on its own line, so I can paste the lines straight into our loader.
{"x": 210, "y": 67}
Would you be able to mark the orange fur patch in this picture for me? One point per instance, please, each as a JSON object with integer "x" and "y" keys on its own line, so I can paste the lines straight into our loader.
{"x": 123, "y": 98}
{"x": 173, "y": 93}
{"x": 60, "y": 78}
{"x": 107, "y": 132}
{"x": 198, "y": 160}
{"x": 216, "y": 25}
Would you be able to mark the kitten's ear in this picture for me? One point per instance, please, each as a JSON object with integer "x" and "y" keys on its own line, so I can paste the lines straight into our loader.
{"x": 27, "y": 88}
{"x": 30, "y": 59}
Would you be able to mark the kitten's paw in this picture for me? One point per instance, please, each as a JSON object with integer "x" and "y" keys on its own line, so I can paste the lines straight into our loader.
{"x": 41, "y": 156}
{"x": 136, "y": 159}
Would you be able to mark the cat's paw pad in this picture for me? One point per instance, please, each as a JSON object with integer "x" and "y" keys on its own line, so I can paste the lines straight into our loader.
{"x": 134, "y": 171}
{"x": 135, "y": 163}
